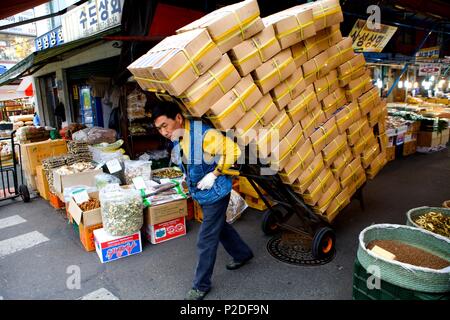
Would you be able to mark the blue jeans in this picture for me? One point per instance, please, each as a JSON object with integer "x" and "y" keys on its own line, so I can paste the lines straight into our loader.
{"x": 213, "y": 229}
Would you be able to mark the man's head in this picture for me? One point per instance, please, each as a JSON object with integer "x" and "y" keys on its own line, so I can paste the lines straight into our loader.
{"x": 168, "y": 119}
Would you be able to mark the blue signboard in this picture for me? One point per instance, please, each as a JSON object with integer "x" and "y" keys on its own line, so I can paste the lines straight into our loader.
{"x": 49, "y": 40}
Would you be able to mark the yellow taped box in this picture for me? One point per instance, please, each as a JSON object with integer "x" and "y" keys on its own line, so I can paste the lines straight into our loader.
{"x": 288, "y": 89}
{"x": 42, "y": 183}
{"x": 351, "y": 70}
{"x": 312, "y": 121}
{"x": 34, "y": 153}
{"x": 369, "y": 154}
{"x": 357, "y": 131}
{"x": 332, "y": 102}
{"x": 375, "y": 115}
{"x": 230, "y": 25}
{"x": 315, "y": 68}
{"x": 246, "y": 188}
{"x": 288, "y": 146}
{"x": 368, "y": 101}
{"x": 346, "y": 116}
{"x": 327, "y": 197}
{"x": 357, "y": 87}
{"x": 336, "y": 205}
{"x": 299, "y": 54}
{"x": 253, "y": 52}
{"x": 297, "y": 163}
{"x": 334, "y": 148}
{"x": 340, "y": 53}
{"x": 351, "y": 173}
{"x": 340, "y": 163}
{"x": 377, "y": 164}
{"x": 322, "y": 41}
{"x": 292, "y": 25}
{"x": 176, "y": 62}
{"x": 308, "y": 175}
{"x": 273, "y": 71}
{"x": 229, "y": 109}
{"x": 270, "y": 136}
{"x": 326, "y": 85}
{"x": 323, "y": 135}
{"x": 210, "y": 87}
{"x": 318, "y": 187}
{"x": 364, "y": 143}
{"x": 325, "y": 13}
{"x": 303, "y": 105}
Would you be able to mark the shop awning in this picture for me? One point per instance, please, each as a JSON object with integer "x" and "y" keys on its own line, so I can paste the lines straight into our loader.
{"x": 26, "y": 86}
{"x": 37, "y": 60}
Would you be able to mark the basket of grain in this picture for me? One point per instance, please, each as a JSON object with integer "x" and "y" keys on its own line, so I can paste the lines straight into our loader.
{"x": 408, "y": 257}
{"x": 434, "y": 219}
{"x": 446, "y": 204}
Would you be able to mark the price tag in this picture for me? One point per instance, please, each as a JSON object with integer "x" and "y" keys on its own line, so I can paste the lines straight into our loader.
{"x": 139, "y": 183}
{"x": 80, "y": 196}
{"x": 113, "y": 166}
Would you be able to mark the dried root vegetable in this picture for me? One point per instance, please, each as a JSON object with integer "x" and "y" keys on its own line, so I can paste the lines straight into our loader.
{"x": 435, "y": 222}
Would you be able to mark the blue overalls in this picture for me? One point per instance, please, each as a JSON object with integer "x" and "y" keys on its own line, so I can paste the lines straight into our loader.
{"x": 214, "y": 203}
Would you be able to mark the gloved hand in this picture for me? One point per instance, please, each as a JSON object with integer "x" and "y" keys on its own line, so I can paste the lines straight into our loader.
{"x": 207, "y": 181}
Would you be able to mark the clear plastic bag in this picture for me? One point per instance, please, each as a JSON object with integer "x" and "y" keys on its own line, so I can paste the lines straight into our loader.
{"x": 104, "y": 179}
{"x": 95, "y": 135}
{"x": 137, "y": 168}
{"x": 236, "y": 206}
{"x": 122, "y": 210}
{"x": 67, "y": 194}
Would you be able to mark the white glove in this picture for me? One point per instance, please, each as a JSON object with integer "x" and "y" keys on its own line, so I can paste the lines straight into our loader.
{"x": 207, "y": 181}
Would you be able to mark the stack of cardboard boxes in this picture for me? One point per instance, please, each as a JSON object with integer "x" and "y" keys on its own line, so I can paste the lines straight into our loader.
{"x": 290, "y": 84}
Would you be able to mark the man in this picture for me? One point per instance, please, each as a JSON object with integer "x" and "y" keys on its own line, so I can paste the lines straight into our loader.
{"x": 204, "y": 154}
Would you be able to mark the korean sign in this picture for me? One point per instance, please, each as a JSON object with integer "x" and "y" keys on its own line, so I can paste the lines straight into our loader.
{"x": 370, "y": 40}
{"x": 28, "y": 29}
{"x": 90, "y": 18}
{"x": 49, "y": 40}
{"x": 427, "y": 54}
{"x": 429, "y": 69}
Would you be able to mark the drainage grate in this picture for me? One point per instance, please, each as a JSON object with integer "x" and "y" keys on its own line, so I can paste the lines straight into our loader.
{"x": 294, "y": 249}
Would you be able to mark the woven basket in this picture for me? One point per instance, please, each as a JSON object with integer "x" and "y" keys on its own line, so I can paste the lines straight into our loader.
{"x": 415, "y": 213}
{"x": 402, "y": 274}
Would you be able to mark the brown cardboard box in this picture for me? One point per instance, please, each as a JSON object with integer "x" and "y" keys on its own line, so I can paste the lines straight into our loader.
{"x": 346, "y": 116}
{"x": 251, "y": 53}
{"x": 42, "y": 183}
{"x": 322, "y": 41}
{"x": 340, "y": 53}
{"x": 376, "y": 165}
{"x": 288, "y": 146}
{"x": 165, "y": 212}
{"x": 315, "y": 68}
{"x": 326, "y": 85}
{"x": 309, "y": 174}
{"x": 273, "y": 71}
{"x": 299, "y": 54}
{"x": 409, "y": 147}
{"x": 34, "y": 153}
{"x": 325, "y": 13}
{"x": 333, "y": 102}
{"x": 87, "y": 218}
{"x": 271, "y": 135}
{"x": 351, "y": 173}
{"x": 86, "y": 178}
{"x": 374, "y": 116}
{"x": 383, "y": 141}
{"x": 288, "y": 89}
{"x": 87, "y": 235}
{"x": 390, "y": 153}
{"x": 364, "y": 143}
{"x": 176, "y": 62}
{"x": 292, "y": 25}
{"x": 229, "y": 109}
{"x": 210, "y": 87}
{"x": 298, "y": 163}
{"x": 340, "y": 163}
{"x": 351, "y": 70}
{"x": 368, "y": 101}
{"x": 303, "y": 105}
{"x": 357, "y": 87}
{"x": 318, "y": 187}
{"x": 369, "y": 154}
{"x": 333, "y": 149}
{"x": 323, "y": 135}
{"x": 230, "y": 25}
{"x": 312, "y": 120}
{"x": 338, "y": 203}
{"x": 330, "y": 193}
{"x": 357, "y": 130}
{"x": 358, "y": 181}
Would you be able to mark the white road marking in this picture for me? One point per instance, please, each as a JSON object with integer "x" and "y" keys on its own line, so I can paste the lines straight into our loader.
{"x": 100, "y": 294}
{"x": 11, "y": 221}
{"x": 24, "y": 241}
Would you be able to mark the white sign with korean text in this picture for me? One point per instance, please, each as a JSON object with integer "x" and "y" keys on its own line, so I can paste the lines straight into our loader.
{"x": 28, "y": 29}
{"x": 429, "y": 69}
{"x": 90, "y": 18}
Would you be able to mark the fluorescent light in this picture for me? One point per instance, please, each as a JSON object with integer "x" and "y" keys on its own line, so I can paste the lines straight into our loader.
{"x": 416, "y": 85}
{"x": 379, "y": 83}
{"x": 432, "y": 78}
{"x": 400, "y": 84}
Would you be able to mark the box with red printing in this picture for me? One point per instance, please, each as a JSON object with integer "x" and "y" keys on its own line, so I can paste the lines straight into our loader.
{"x": 110, "y": 248}
{"x": 164, "y": 231}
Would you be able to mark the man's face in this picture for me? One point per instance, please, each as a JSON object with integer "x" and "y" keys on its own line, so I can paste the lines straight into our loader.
{"x": 169, "y": 128}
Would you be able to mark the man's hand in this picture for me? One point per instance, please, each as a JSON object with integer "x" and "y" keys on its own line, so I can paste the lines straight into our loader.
{"x": 207, "y": 181}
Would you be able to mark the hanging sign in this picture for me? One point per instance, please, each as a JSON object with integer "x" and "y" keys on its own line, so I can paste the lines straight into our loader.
{"x": 49, "y": 40}
{"x": 429, "y": 69}
{"x": 370, "y": 40}
{"x": 426, "y": 54}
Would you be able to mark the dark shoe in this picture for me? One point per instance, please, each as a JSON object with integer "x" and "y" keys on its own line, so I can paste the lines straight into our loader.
{"x": 195, "y": 294}
{"x": 233, "y": 265}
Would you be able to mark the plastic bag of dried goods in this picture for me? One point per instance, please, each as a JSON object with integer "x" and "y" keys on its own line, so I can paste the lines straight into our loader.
{"x": 137, "y": 168}
{"x": 236, "y": 206}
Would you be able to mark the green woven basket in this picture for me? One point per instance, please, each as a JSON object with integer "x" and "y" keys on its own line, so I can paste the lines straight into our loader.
{"x": 415, "y": 213}
{"x": 401, "y": 274}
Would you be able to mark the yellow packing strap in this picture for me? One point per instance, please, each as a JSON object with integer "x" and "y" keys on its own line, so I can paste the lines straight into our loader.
{"x": 300, "y": 26}
{"x": 216, "y": 79}
{"x": 324, "y": 136}
{"x": 304, "y": 102}
{"x": 337, "y": 150}
{"x": 327, "y": 12}
{"x": 278, "y": 69}
{"x": 337, "y": 101}
{"x": 372, "y": 97}
{"x": 316, "y": 71}
{"x": 240, "y": 100}
{"x": 359, "y": 86}
{"x": 338, "y": 168}
{"x": 330, "y": 198}
{"x": 369, "y": 153}
{"x": 276, "y": 125}
{"x": 291, "y": 88}
{"x": 258, "y": 51}
{"x": 352, "y": 70}
{"x": 313, "y": 172}
{"x": 339, "y": 54}
{"x": 240, "y": 28}
{"x": 259, "y": 117}
{"x": 291, "y": 146}
{"x": 351, "y": 176}
{"x": 347, "y": 116}
{"x": 301, "y": 163}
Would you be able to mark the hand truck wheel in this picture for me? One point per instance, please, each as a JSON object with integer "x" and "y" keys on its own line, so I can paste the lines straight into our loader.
{"x": 269, "y": 223}
{"x": 24, "y": 193}
{"x": 323, "y": 244}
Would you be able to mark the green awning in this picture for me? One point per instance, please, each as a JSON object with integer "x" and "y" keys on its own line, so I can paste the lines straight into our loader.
{"x": 37, "y": 60}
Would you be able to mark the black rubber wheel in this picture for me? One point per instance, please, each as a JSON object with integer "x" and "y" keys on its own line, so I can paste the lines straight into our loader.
{"x": 24, "y": 193}
{"x": 323, "y": 244}
{"x": 269, "y": 223}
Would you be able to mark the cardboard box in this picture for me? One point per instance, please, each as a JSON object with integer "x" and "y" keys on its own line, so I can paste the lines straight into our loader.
{"x": 270, "y": 136}
{"x": 292, "y": 25}
{"x": 111, "y": 248}
{"x": 364, "y": 143}
{"x": 34, "y": 153}
{"x": 85, "y": 218}
{"x": 288, "y": 146}
{"x": 318, "y": 187}
{"x": 332, "y": 102}
{"x": 377, "y": 164}
{"x": 369, "y": 101}
{"x": 288, "y": 89}
{"x": 330, "y": 193}
{"x": 383, "y": 141}
{"x": 351, "y": 173}
{"x": 315, "y": 68}
{"x": 210, "y": 87}
{"x": 303, "y": 105}
{"x": 308, "y": 175}
{"x": 335, "y": 148}
{"x": 42, "y": 183}
{"x": 357, "y": 87}
{"x": 165, "y": 231}
{"x": 409, "y": 148}
{"x": 325, "y": 13}
{"x": 338, "y": 203}
{"x": 312, "y": 121}
{"x": 298, "y": 162}
{"x": 229, "y": 109}
{"x": 369, "y": 154}
{"x": 323, "y": 135}
{"x": 357, "y": 130}
{"x": 86, "y": 178}
{"x": 230, "y": 25}
{"x": 326, "y": 85}
{"x": 251, "y": 53}
{"x": 340, "y": 53}
{"x": 273, "y": 71}
{"x": 87, "y": 235}
{"x": 165, "y": 212}
{"x": 351, "y": 70}
{"x": 299, "y": 54}
{"x": 346, "y": 116}
{"x": 390, "y": 153}
{"x": 374, "y": 115}
{"x": 428, "y": 139}
{"x": 340, "y": 163}
{"x": 176, "y": 62}
{"x": 323, "y": 40}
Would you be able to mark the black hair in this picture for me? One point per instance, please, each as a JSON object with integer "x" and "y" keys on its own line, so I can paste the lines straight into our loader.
{"x": 165, "y": 108}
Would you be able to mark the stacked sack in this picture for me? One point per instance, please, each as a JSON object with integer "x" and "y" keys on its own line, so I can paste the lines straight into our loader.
{"x": 289, "y": 83}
